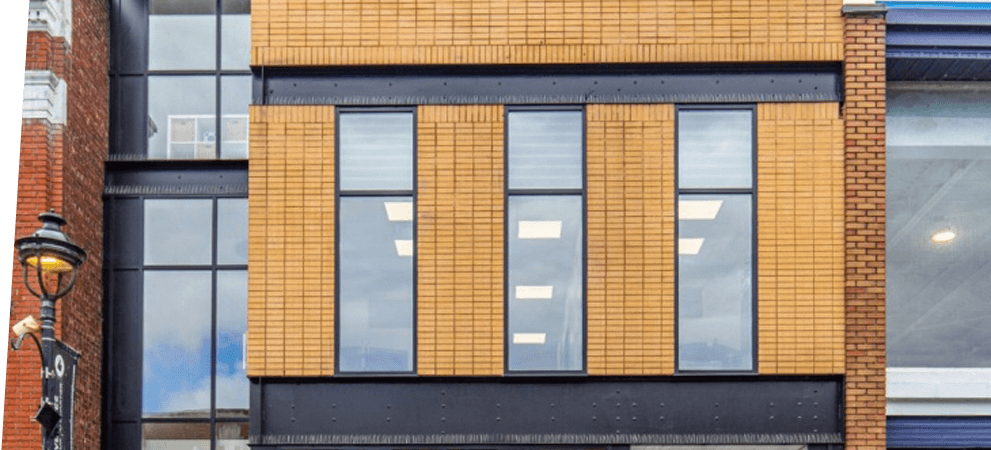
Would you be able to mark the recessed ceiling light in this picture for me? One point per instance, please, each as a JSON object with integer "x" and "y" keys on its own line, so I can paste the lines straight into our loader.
{"x": 540, "y": 229}
{"x": 690, "y": 246}
{"x": 404, "y": 247}
{"x": 698, "y": 209}
{"x": 529, "y": 338}
{"x": 944, "y": 236}
{"x": 534, "y": 292}
{"x": 399, "y": 211}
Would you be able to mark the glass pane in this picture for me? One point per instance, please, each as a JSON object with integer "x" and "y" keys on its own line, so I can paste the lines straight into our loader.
{"x": 176, "y": 343}
{"x": 545, "y": 149}
{"x": 715, "y": 283}
{"x": 939, "y": 228}
{"x": 232, "y": 231}
{"x": 182, "y": 117}
{"x": 232, "y": 326}
{"x": 178, "y": 232}
{"x": 376, "y": 284}
{"x": 376, "y": 151}
{"x": 232, "y": 436}
{"x": 546, "y": 296}
{"x": 715, "y": 149}
{"x": 182, "y": 35}
{"x": 235, "y": 41}
{"x": 235, "y": 96}
{"x": 175, "y": 436}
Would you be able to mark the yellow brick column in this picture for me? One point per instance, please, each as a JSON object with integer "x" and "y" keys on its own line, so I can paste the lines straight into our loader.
{"x": 800, "y": 239}
{"x": 291, "y": 241}
{"x": 631, "y": 185}
{"x": 460, "y": 240}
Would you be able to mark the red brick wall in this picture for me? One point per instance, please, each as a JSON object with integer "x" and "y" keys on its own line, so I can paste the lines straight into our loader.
{"x": 62, "y": 168}
{"x": 865, "y": 222}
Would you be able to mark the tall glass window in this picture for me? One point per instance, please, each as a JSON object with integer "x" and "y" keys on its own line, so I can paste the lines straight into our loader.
{"x": 376, "y": 236}
{"x": 715, "y": 239}
{"x": 194, "y": 320}
{"x": 198, "y": 79}
{"x": 939, "y": 227}
{"x": 545, "y": 240}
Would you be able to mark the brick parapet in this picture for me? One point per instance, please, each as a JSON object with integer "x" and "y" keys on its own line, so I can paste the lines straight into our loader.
{"x": 864, "y": 114}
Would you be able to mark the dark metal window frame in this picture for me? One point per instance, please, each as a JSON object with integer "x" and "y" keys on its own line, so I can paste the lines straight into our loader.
{"x": 507, "y": 193}
{"x": 752, "y": 191}
{"x": 338, "y": 193}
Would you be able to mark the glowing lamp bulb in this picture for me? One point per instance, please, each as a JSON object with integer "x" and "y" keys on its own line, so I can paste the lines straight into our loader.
{"x": 943, "y": 237}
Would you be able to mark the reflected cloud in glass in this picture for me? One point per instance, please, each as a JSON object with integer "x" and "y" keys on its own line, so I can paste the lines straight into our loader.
{"x": 715, "y": 148}
{"x": 178, "y": 232}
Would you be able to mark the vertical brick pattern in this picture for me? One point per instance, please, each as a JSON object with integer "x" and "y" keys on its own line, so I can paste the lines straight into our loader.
{"x": 291, "y": 241}
{"x": 330, "y": 32}
{"x": 61, "y": 168}
{"x": 864, "y": 113}
{"x": 631, "y": 201}
{"x": 800, "y": 238}
{"x": 460, "y": 240}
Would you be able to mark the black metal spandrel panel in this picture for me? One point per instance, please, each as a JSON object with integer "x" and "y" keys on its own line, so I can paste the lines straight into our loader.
{"x": 595, "y": 411}
{"x": 124, "y": 233}
{"x": 130, "y": 124}
{"x": 131, "y": 36}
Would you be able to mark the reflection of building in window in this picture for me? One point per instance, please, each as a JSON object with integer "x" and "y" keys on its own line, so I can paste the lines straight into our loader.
{"x": 195, "y": 136}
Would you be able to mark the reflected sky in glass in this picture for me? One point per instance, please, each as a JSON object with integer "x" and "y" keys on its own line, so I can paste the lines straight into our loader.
{"x": 715, "y": 288}
{"x": 546, "y": 262}
{"x": 182, "y": 42}
{"x": 176, "y": 341}
{"x": 232, "y": 324}
{"x": 235, "y": 41}
{"x": 178, "y": 232}
{"x": 189, "y": 118}
{"x": 376, "y": 287}
{"x": 376, "y": 151}
{"x": 545, "y": 149}
{"x": 715, "y": 148}
{"x": 232, "y": 231}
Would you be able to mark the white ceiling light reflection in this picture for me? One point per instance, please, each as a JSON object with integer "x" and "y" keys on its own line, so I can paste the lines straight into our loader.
{"x": 534, "y": 292}
{"x": 698, "y": 209}
{"x": 944, "y": 237}
{"x": 690, "y": 246}
{"x": 404, "y": 247}
{"x": 399, "y": 211}
{"x": 529, "y": 338}
{"x": 540, "y": 229}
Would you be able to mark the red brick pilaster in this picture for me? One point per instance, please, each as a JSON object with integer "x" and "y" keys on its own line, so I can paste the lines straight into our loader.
{"x": 864, "y": 114}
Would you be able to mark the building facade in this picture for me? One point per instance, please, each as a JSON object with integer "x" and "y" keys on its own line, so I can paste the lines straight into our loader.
{"x": 331, "y": 224}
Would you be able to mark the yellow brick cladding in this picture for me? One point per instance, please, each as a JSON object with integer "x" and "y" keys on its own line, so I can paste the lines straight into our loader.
{"x": 630, "y": 171}
{"x": 343, "y": 32}
{"x": 630, "y": 240}
{"x": 800, "y": 253}
{"x": 291, "y": 241}
{"x": 460, "y": 240}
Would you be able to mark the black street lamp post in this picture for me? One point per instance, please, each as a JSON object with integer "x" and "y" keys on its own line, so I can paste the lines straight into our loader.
{"x": 50, "y": 261}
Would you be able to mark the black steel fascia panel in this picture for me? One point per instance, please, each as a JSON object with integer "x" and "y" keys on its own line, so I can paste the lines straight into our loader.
{"x": 347, "y": 412}
{"x": 577, "y": 85}
{"x": 939, "y": 36}
{"x": 936, "y": 16}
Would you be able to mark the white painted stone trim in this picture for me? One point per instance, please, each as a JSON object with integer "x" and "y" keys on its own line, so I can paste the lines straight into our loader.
{"x": 938, "y": 391}
{"x": 51, "y": 16}
{"x": 44, "y": 96}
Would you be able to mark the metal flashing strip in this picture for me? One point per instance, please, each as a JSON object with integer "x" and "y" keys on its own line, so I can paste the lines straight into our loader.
{"x": 648, "y": 440}
{"x": 542, "y": 85}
